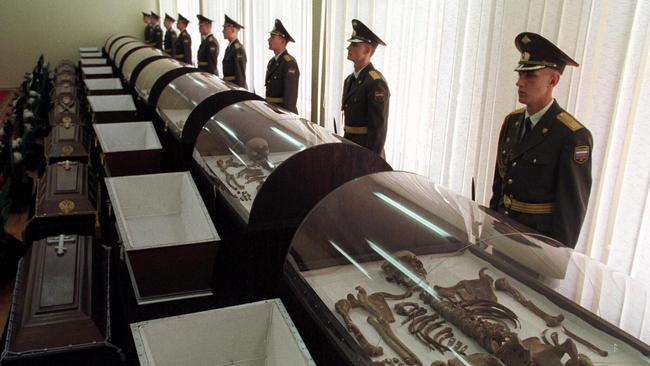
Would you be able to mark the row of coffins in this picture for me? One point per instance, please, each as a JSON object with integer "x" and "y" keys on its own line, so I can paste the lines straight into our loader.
{"x": 253, "y": 202}
{"x": 60, "y": 311}
{"x": 351, "y": 246}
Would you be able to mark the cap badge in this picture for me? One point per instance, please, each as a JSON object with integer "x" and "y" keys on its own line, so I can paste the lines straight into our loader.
{"x": 525, "y": 40}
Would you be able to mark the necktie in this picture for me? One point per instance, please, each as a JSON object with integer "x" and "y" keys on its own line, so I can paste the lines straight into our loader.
{"x": 528, "y": 125}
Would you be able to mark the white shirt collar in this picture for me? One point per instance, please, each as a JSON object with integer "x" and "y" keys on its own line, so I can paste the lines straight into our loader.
{"x": 537, "y": 116}
{"x": 277, "y": 57}
{"x": 356, "y": 73}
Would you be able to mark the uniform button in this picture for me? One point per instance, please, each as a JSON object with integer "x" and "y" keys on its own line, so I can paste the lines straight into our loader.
{"x": 503, "y": 152}
{"x": 510, "y": 181}
{"x": 507, "y": 212}
{"x": 534, "y": 161}
{"x": 507, "y": 139}
{"x": 514, "y": 164}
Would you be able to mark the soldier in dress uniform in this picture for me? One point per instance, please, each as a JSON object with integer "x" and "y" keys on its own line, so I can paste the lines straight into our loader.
{"x": 183, "y": 42}
{"x": 543, "y": 167}
{"x": 234, "y": 59}
{"x": 282, "y": 73}
{"x": 365, "y": 92}
{"x": 170, "y": 36}
{"x": 209, "y": 48}
{"x": 146, "y": 18}
{"x": 156, "y": 32}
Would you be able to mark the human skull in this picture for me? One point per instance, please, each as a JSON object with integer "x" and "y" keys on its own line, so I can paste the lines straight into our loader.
{"x": 257, "y": 149}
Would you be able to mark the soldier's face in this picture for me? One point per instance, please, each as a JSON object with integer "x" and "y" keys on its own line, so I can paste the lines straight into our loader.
{"x": 537, "y": 85}
{"x": 181, "y": 26}
{"x": 205, "y": 28}
{"x": 276, "y": 43}
{"x": 146, "y": 20}
{"x": 168, "y": 23}
{"x": 227, "y": 31}
{"x": 358, "y": 51}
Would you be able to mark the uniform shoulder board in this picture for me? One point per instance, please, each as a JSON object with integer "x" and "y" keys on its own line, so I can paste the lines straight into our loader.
{"x": 517, "y": 111}
{"x": 237, "y": 45}
{"x": 374, "y": 74}
{"x": 288, "y": 58}
{"x": 569, "y": 121}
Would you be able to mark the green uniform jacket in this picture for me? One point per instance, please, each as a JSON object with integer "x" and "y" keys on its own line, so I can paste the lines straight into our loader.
{"x": 281, "y": 82}
{"x": 183, "y": 47}
{"x": 170, "y": 42}
{"x": 234, "y": 64}
{"x": 544, "y": 181}
{"x": 157, "y": 35}
{"x": 207, "y": 55}
{"x": 148, "y": 33}
{"x": 365, "y": 104}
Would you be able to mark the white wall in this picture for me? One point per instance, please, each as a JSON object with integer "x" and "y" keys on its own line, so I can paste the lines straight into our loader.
{"x": 57, "y": 28}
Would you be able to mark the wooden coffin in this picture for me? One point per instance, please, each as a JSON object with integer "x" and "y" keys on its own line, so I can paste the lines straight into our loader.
{"x": 112, "y": 108}
{"x": 65, "y": 87}
{"x": 60, "y": 309}
{"x": 96, "y": 72}
{"x": 167, "y": 235}
{"x": 129, "y": 148}
{"x": 65, "y": 200}
{"x": 66, "y": 141}
{"x": 65, "y": 118}
{"x": 260, "y": 333}
{"x": 65, "y": 103}
{"x": 109, "y": 86}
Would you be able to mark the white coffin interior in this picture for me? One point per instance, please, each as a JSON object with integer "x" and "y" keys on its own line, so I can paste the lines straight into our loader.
{"x": 255, "y": 334}
{"x": 127, "y": 136}
{"x": 157, "y": 210}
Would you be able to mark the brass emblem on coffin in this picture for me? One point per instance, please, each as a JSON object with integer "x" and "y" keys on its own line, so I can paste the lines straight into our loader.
{"x": 66, "y": 100}
{"x": 66, "y": 206}
{"x": 67, "y": 150}
{"x": 66, "y": 121}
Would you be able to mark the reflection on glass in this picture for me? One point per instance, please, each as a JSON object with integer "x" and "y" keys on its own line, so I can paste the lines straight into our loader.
{"x": 151, "y": 73}
{"x": 136, "y": 58}
{"x": 376, "y": 237}
{"x": 183, "y": 94}
{"x": 244, "y": 143}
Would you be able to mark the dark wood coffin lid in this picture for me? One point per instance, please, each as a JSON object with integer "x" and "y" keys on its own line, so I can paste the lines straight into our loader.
{"x": 52, "y": 301}
{"x": 63, "y": 191}
{"x": 66, "y": 139}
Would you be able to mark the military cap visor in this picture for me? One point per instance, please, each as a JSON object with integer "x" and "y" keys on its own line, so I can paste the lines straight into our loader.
{"x": 154, "y": 15}
{"x": 229, "y": 22}
{"x": 183, "y": 19}
{"x": 203, "y": 20}
{"x": 537, "y": 53}
{"x": 279, "y": 30}
{"x": 362, "y": 34}
{"x": 145, "y": 14}
{"x": 168, "y": 17}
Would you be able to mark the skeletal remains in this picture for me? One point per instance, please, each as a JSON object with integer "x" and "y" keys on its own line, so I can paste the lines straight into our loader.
{"x": 472, "y": 307}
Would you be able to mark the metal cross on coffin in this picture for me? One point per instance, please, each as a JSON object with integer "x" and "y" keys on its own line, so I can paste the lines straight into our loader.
{"x": 60, "y": 243}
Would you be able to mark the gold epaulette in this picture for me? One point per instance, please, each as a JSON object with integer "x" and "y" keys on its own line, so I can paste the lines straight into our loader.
{"x": 288, "y": 58}
{"x": 517, "y": 111}
{"x": 374, "y": 74}
{"x": 237, "y": 45}
{"x": 569, "y": 121}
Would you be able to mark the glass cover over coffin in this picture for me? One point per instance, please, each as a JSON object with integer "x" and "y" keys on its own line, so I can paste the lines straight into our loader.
{"x": 135, "y": 58}
{"x": 241, "y": 145}
{"x": 117, "y": 45}
{"x": 183, "y": 94}
{"x": 119, "y": 55}
{"x": 387, "y": 232}
{"x": 151, "y": 73}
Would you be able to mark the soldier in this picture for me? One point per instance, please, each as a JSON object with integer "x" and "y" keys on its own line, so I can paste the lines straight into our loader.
{"x": 184, "y": 41}
{"x": 170, "y": 36}
{"x": 209, "y": 48}
{"x": 146, "y": 18}
{"x": 156, "y": 32}
{"x": 282, "y": 73}
{"x": 234, "y": 59}
{"x": 543, "y": 167}
{"x": 365, "y": 92}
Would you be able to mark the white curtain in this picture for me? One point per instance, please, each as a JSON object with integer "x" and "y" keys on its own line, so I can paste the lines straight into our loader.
{"x": 257, "y": 17}
{"x": 189, "y": 9}
{"x": 449, "y": 66}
